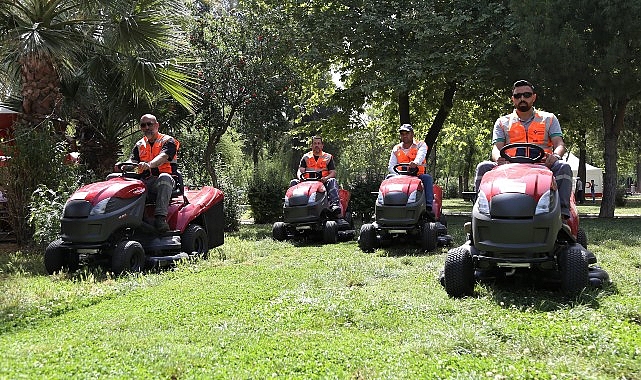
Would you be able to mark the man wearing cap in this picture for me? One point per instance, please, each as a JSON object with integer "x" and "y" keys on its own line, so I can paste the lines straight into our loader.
{"x": 317, "y": 159}
{"x": 412, "y": 153}
{"x": 527, "y": 124}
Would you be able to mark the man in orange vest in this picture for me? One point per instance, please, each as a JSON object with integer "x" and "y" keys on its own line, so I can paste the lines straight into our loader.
{"x": 529, "y": 125}
{"x": 156, "y": 155}
{"x": 317, "y": 159}
{"x": 412, "y": 152}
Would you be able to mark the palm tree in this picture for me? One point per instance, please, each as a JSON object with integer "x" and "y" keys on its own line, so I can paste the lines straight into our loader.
{"x": 92, "y": 64}
{"x": 95, "y": 62}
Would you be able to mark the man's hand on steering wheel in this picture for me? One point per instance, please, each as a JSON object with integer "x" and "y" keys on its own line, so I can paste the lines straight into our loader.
{"x": 550, "y": 160}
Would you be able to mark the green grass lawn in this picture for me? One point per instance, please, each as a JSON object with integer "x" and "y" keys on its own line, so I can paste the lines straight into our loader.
{"x": 260, "y": 309}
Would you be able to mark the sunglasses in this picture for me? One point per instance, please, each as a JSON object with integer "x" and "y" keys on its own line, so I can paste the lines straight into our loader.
{"x": 147, "y": 124}
{"x": 526, "y": 95}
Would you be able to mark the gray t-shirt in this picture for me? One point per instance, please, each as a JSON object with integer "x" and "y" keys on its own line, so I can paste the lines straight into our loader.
{"x": 500, "y": 127}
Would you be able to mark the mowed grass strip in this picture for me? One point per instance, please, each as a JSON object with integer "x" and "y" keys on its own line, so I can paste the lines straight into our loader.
{"x": 259, "y": 308}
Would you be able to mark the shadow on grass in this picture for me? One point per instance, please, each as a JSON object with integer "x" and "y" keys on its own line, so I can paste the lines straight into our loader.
{"x": 524, "y": 292}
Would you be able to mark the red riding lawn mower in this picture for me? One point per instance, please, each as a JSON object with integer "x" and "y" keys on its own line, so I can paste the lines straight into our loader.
{"x": 307, "y": 212}
{"x": 517, "y": 229}
{"x": 111, "y": 223}
{"x": 402, "y": 214}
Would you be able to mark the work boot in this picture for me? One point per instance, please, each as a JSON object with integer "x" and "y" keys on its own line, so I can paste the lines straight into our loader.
{"x": 336, "y": 210}
{"x": 161, "y": 224}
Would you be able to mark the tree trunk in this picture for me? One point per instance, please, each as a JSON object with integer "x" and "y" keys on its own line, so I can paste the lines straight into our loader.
{"x": 443, "y": 112}
{"x": 404, "y": 107}
{"x": 612, "y": 126}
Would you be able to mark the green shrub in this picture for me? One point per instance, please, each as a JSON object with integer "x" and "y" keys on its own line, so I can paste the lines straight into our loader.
{"x": 451, "y": 191}
{"x": 265, "y": 193}
{"x": 362, "y": 198}
{"x": 619, "y": 197}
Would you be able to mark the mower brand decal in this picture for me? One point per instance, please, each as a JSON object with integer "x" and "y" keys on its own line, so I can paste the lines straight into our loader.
{"x": 300, "y": 191}
{"x": 513, "y": 187}
{"x": 80, "y": 195}
{"x": 396, "y": 187}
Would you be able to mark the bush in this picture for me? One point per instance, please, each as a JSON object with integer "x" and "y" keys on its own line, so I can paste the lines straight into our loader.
{"x": 265, "y": 194}
{"x": 619, "y": 197}
{"x": 362, "y": 200}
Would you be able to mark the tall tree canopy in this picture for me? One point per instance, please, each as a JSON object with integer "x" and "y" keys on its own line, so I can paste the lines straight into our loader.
{"x": 590, "y": 48}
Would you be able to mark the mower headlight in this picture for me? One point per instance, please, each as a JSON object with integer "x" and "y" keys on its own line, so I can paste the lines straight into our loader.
{"x": 286, "y": 201}
{"x": 545, "y": 204}
{"x": 412, "y": 197}
{"x": 312, "y": 198}
{"x": 482, "y": 203}
{"x": 379, "y": 198}
{"x": 100, "y": 207}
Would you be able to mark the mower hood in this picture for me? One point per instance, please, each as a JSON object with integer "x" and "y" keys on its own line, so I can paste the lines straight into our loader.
{"x": 530, "y": 179}
{"x": 119, "y": 187}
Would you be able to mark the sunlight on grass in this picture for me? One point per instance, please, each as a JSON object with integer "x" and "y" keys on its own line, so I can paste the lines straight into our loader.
{"x": 259, "y": 308}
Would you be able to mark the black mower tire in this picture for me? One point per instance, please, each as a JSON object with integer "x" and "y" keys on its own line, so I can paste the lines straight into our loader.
{"x": 582, "y": 238}
{"x": 279, "y": 231}
{"x": 574, "y": 271}
{"x": 195, "y": 240}
{"x": 429, "y": 236}
{"x": 58, "y": 258}
{"x": 443, "y": 220}
{"x": 458, "y": 274}
{"x": 127, "y": 256}
{"x": 367, "y": 238}
{"x": 330, "y": 232}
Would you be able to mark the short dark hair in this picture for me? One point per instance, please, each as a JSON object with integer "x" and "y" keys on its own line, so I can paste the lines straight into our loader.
{"x": 521, "y": 83}
{"x": 317, "y": 137}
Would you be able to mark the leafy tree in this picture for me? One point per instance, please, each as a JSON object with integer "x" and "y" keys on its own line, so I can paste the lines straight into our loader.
{"x": 587, "y": 49}
{"x": 90, "y": 63}
{"x": 244, "y": 77}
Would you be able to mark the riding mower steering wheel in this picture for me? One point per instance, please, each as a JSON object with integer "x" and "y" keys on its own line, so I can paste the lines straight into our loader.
{"x": 527, "y": 157}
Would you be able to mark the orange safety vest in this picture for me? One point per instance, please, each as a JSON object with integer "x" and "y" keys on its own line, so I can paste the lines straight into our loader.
{"x": 317, "y": 164}
{"x": 406, "y": 158}
{"x": 536, "y": 133}
{"x": 147, "y": 151}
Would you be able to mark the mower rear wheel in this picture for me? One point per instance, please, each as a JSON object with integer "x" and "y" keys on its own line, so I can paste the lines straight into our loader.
{"x": 127, "y": 256}
{"x": 574, "y": 271}
{"x": 582, "y": 238}
{"x": 330, "y": 232}
{"x": 429, "y": 236}
{"x": 458, "y": 274}
{"x": 367, "y": 238}
{"x": 195, "y": 240}
{"x": 58, "y": 258}
{"x": 279, "y": 231}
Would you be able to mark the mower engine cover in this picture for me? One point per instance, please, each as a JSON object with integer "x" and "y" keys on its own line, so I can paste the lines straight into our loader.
{"x": 117, "y": 203}
{"x": 303, "y": 193}
{"x": 531, "y": 179}
{"x": 400, "y": 190}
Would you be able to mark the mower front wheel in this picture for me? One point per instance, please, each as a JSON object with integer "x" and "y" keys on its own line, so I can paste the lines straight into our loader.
{"x": 128, "y": 256}
{"x": 429, "y": 236}
{"x": 459, "y": 273}
{"x": 194, "y": 240}
{"x": 367, "y": 238}
{"x": 279, "y": 231}
{"x": 58, "y": 258}
{"x": 574, "y": 271}
{"x": 330, "y": 232}
{"x": 582, "y": 238}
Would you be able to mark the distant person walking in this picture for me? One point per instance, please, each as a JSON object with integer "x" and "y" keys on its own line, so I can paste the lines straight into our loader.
{"x": 592, "y": 191}
{"x": 579, "y": 192}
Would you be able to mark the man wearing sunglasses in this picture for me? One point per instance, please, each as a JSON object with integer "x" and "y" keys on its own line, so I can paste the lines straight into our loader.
{"x": 156, "y": 155}
{"x": 526, "y": 124}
